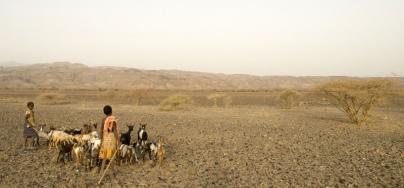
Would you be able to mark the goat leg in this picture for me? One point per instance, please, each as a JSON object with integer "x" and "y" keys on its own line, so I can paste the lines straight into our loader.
{"x": 135, "y": 156}
{"x": 57, "y": 158}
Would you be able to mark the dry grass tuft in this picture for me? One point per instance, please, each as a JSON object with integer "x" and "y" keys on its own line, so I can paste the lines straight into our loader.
{"x": 289, "y": 98}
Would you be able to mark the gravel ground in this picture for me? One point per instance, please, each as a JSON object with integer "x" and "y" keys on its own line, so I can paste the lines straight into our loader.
{"x": 208, "y": 147}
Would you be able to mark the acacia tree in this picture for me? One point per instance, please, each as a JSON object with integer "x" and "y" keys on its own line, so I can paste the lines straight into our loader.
{"x": 355, "y": 98}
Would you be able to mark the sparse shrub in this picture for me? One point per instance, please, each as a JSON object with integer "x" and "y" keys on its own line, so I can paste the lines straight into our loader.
{"x": 176, "y": 102}
{"x": 222, "y": 99}
{"x": 215, "y": 98}
{"x": 289, "y": 98}
{"x": 356, "y": 97}
{"x": 52, "y": 98}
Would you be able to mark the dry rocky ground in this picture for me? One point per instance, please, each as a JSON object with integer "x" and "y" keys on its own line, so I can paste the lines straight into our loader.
{"x": 208, "y": 147}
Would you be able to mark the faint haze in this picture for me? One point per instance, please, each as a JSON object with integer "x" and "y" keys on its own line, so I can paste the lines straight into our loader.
{"x": 268, "y": 37}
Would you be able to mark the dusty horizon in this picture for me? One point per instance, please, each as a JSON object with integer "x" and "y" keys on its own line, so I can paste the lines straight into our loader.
{"x": 296, "y": 38}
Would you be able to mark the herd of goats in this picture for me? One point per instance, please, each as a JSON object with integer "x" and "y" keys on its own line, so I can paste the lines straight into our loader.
{"x": 84, "y": 144}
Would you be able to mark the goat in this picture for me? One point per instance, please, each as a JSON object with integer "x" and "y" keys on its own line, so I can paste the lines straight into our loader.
{"x": 125, "y": 137}
{"x": 86, "y": 129}
{"x": 142, "y": 134}
{"x": 83, "y": 138}
{"x": 94, "y": 147}
{"x": 83, "y": 148}
{"x": 73, "y": 131}
{"x": 148, "y": 148}
{"x": 94, "y": 134}
{"x": 126, "y": 153}
{"x": 160, "y": 151}
{"x": 65, "y": 148}
{"x": 78, "y": 151}
{"x": 42, "y": 133}
{"x": 58, "y": 137}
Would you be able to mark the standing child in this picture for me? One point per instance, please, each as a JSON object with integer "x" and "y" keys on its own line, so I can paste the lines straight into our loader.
{"x": 29, "y": 125}
{"x": 109, "y": 137}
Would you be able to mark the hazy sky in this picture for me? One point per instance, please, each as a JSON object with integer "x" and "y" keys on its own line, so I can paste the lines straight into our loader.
{"x": 268, "y": 37}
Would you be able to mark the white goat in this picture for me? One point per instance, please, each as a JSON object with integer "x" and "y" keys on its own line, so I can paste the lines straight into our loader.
{"x": 78, "y": 151}
{"x": 42, "y": 134}
{"x": 95, "y": 146}
{"x": 58, "y": 137}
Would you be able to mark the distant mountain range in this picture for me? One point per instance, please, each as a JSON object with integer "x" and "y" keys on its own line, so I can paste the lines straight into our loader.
{"x": 78, "y": 76}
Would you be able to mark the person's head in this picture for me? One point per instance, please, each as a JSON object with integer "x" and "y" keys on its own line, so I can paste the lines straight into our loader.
{"x": 107, "y": 110}
{"x": 30, "y": 105}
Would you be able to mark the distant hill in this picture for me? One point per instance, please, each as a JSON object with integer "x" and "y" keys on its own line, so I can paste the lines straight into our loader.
{"x": 78, "y": 76}
{"x": 10, "y": 64}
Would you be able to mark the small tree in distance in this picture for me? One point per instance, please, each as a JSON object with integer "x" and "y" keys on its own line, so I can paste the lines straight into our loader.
{"x": 289, "y": 98}
{"x": 355, "y": 98}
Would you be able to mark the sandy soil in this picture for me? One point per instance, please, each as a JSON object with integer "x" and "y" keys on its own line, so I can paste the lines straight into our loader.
{"x": 237, "y": 147}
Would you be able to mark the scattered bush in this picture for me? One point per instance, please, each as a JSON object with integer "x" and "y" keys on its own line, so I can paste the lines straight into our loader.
{"x": 289, "y": 98}
{"x": 214, "y": 98}
{"x": 176, "y": 102}
{"x": 217, "y": 98}
{"x": 52, "y": 98}
{"x": 356, "y": 97}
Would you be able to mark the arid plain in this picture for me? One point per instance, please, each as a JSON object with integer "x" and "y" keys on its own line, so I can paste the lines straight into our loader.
{"x": 259, "y": 144}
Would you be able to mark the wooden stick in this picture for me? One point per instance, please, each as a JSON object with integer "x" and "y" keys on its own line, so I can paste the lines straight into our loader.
{"x": 110, "y": 162}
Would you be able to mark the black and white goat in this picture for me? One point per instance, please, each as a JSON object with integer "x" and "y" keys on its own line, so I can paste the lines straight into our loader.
{"x": 142, "y": 135}
{"x": 149, "y": 148}
{"x": 126, "y": 153}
